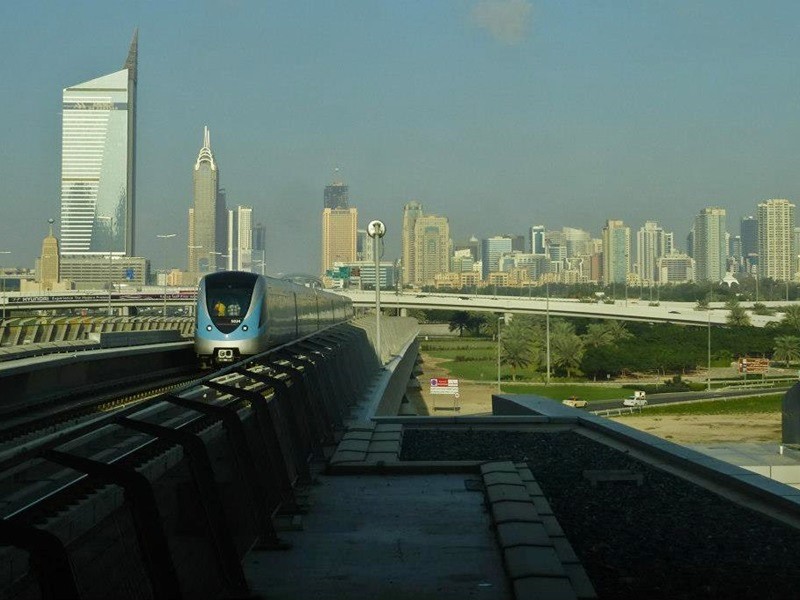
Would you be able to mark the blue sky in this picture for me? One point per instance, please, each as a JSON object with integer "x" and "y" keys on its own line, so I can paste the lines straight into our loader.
{"x": 498, "y": 114}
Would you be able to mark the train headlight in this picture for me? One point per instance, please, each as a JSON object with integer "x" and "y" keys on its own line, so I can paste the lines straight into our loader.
{"x": 245, "y": 328}
{"x": 209, "y": 328}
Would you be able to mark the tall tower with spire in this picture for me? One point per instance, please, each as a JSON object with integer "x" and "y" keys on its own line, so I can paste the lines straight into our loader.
{"x": 98, "y": 163}
{"x": 207, "y": 240}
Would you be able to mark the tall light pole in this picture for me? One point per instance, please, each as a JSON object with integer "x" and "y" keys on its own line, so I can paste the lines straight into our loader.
{"x": 110, "y": 220}
{"x": 547, "y": 333}
{"x": 709, "y": 345}
{"x": 165, "y": 237}
{"x": 3, "y": 276}
{"x": 376, "y": 230}
{"x": 499, "y": 319}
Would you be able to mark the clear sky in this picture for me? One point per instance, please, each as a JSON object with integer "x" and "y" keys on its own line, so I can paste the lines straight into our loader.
{"x": 498, "y": 114}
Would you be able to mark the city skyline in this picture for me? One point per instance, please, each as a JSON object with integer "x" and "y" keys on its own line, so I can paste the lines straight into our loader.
{"x": 686, "y": 108}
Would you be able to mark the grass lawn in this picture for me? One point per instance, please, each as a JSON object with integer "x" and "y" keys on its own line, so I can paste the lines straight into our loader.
{"x": 735, "y": 406}
{"x": 558, "y": 391}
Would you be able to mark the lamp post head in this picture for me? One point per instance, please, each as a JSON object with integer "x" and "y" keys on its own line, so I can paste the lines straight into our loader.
{"x": 376, "y": 229}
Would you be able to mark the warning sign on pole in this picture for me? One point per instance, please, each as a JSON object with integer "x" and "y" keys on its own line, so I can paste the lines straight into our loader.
{"x": 445, "y": 385}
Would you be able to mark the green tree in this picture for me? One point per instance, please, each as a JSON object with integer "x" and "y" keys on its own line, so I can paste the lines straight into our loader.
{"x": 566, "y": 351}
{"x": 517, "y": 349}
{"x": 737, "y": 316}
{"x": 791, "y": 317}
{"x": 607, "y": 332}
{"x": 459, "y": 320}
{"x": 787, "y": 348}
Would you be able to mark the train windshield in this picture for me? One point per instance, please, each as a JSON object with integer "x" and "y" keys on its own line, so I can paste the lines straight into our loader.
{"x": 228, "y": 298}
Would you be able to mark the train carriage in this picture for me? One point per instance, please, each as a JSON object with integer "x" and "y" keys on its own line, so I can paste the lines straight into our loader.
{"x": 241, "y": 314}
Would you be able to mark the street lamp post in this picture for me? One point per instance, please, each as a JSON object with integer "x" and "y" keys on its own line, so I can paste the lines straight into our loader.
{"x": 499, "y": 319}
{"x": 376, "y": 230}
{"x": 3, "y": 276}
{"x": 110, "y": 220}
{"x": 547, "y": 334}
{"x": 165, "y": 237}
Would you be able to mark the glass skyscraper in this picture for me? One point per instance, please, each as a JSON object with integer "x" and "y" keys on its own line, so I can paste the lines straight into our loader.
{"x": 98, "y": 163}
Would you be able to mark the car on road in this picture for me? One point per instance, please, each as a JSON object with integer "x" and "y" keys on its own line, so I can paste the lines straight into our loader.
{"x": 575, "y": 402}
{"x": 631, "y": 401}
{"x": 674, "y": 312}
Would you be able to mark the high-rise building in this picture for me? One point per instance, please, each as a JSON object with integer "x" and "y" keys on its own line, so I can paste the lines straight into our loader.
{"x": 49, "y": 269}
{"x": 518, "y": 243}
{"x": 98, "y": 163}
{"x": 775, "y": 239}
{"x": 492, "y": 250}
{"x": 710, "y": 250}
{"x": 365, "y": 246}
{"x": 431, "y": 248}
{"x": 240, "y": 239}
{"x": 616, "y": 252}
{"x": 411, "y": 212}
{"x": 339, "y": 226}
{"x": 650, "y": 246}
{"x": 676, "y": 268}
{"x": 207, "y": 228}
{"x": 260, "y": 248}
{"x": 748, "y": 230}
{"x": 336, "y": 195}
{"x": 577, "y": 241}
{"x": 537, "y": 236}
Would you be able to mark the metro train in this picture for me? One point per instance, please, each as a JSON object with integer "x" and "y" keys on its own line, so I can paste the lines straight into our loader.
{"x": 240, "y": 314}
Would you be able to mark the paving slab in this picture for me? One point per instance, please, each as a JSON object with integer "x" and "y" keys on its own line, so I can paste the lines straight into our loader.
{"x": 410, "y": 536}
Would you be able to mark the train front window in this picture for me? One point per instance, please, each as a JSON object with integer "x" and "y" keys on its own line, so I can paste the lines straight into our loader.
{"x": 228, "y": 298}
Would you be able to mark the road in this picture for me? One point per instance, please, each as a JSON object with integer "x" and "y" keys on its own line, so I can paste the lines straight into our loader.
{"x": 656, "y": 399}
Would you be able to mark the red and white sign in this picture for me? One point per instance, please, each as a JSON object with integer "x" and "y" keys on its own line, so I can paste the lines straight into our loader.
{"x": 444, "y": 385}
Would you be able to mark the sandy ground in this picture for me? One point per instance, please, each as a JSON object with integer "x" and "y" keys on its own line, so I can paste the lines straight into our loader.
{"x": 476, "y": 399}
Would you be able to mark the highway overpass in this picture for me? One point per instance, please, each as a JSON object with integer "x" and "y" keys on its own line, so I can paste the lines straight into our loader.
{"x": 630, "y": 310}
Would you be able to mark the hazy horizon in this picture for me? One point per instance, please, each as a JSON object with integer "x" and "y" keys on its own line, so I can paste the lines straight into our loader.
{"x": 499, "y": 114}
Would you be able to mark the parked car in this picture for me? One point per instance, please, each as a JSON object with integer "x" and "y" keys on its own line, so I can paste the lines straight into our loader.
{"x": 575, "y": 402}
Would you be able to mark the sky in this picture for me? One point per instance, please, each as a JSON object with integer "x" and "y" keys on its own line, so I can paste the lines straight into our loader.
{"x": 499, "y": 114}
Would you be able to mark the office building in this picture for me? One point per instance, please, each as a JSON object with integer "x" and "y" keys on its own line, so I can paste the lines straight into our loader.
{"x": 676, "y": 268}
{"x": 115, "y": 272}
{"x": 492, "y": 249}
{"x": 577, "y": 241}
{"x": 650, "y": 246}
{"x": 616, "y": 252}
{"x": 536, "y": 238}
{"x": 260, "y": 248}
{"x": 98, "y": 163}
{"x": 431, "y": 248}
{"x": 748, "y": 230}
{"x": 411, "y": 212}
{"x": 49, "y": 268}
{"x": 775, "y": 240}
{"x": 240, "y": 239}
{"x": 710, "y": 251}
{"x": 336, "y": 195}
{"x": 339, "y": 227}
{"x": 208, "y": 215}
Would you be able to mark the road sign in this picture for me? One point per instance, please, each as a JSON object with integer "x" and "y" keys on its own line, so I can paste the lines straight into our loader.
{"x": 444, "y": 385}
{"x": 749, "y": 365}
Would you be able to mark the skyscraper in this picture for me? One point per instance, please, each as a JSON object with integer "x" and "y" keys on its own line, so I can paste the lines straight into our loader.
{"x": 339, "y": 226}
{"x": 710, "y": 250}
{"x": 431, "y": 248}
{"x": 491, "y": 250}
{"x": 207, "y": 239}
{"x": 650, "y": 246}
{"x": 537, "y": 239}
{"x": 775, "y": 239}
{"x": 411, "y": 212}
{"x": 616, "y": 252}
{"x": 98, "y": 163}
{"x": 240, "y": 238}
{"x": 336, "y": 195}
{"x": 49, "y": 270}
{"x": 748, "y": 230}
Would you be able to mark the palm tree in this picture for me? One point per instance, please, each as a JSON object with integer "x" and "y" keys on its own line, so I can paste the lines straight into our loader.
{"x": 517, "y": 350}
{"x": 566, "y": 351}
{"x": 737, "y": 316}
{"x": 607, "y": 332}
{"x": 791, "y": 316}
{"x": 787, "y": 348}
{"x": 460, "y": 319}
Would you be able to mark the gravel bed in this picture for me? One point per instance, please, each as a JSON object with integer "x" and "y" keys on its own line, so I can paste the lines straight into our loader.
{"x": 668, "y": 538}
